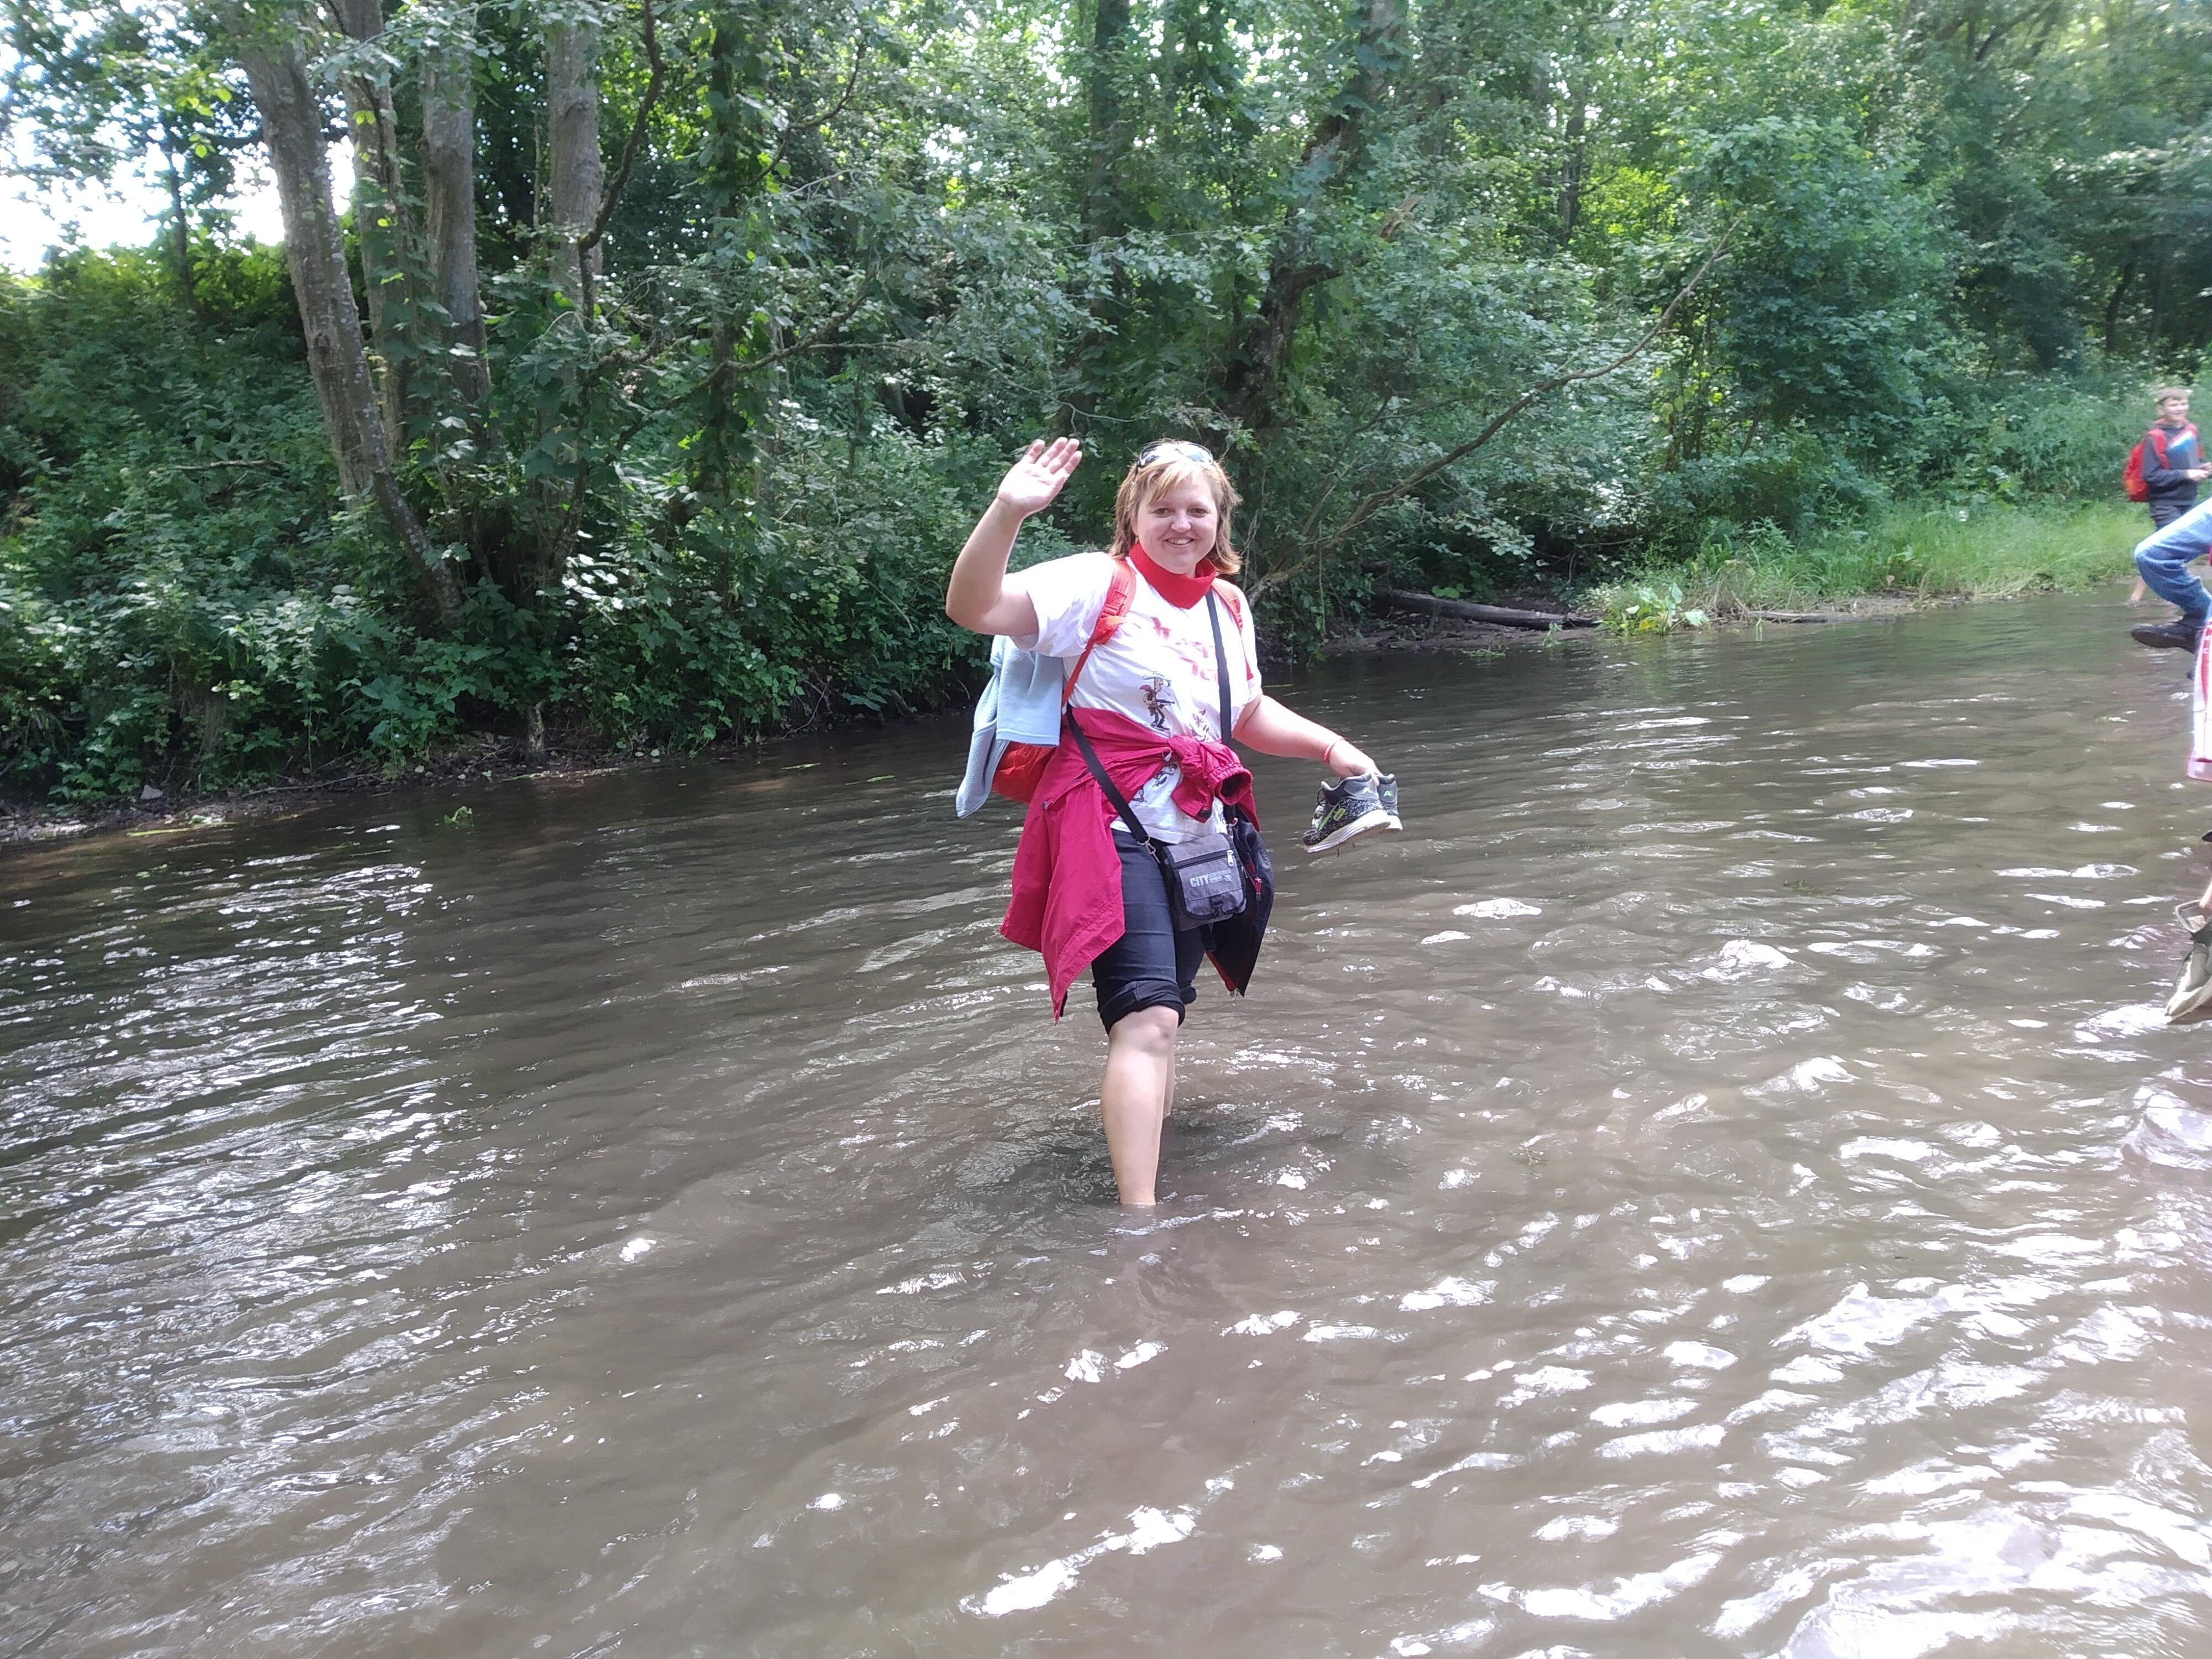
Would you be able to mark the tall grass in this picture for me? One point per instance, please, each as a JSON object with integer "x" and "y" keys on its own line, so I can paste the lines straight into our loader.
{"x": 1988, "y": 551}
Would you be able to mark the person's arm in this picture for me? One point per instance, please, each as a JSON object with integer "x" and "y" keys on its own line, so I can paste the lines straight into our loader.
{"x": 1271, "y": 729}
{"x": 2157, "y": 475}
{"x": 979, "y": 595}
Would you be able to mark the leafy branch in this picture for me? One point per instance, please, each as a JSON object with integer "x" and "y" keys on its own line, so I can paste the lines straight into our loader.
{"x": 1373, "y": 503}
{"x": 612, "y": 198}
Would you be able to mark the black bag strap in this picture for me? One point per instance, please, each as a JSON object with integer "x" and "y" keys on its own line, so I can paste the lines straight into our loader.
{"x": 1221, "y": 661}
{"x": 1091, "y": 756}
{"x": 1120, "y": 803}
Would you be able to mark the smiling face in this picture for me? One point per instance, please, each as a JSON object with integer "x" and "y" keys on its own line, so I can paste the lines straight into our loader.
{"x": 1179, "y": 525}
{"x": 1178, "y": 509}
{"x": 2173, "y": 410}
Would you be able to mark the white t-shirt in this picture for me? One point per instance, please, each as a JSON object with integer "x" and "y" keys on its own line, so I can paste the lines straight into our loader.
{"x": 1159, "y": 668}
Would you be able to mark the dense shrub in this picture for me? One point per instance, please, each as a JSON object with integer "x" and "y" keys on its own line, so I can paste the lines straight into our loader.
{"x": 1497, "y": 299}
{"x": 183, "y": 601}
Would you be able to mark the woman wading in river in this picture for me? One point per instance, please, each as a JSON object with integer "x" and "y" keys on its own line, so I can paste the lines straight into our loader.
{"x": 1127, "y": 848}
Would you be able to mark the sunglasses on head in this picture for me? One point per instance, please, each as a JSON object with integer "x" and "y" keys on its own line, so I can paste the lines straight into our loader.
{"x": 1177, "y": 450}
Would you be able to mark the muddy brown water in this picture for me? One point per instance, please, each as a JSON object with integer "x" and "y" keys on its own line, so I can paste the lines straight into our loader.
{"x": 1716, "y": 1185}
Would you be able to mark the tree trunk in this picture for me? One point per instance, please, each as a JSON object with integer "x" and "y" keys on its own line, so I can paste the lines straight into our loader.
{"x": 180, "y": 230}
{"x": 291, "y": 130}
{"x": 449, "y": 186}
{"x": 1253, "y": 381}
{"x": 383, "y": 226}
{"x": 2112, "y": 306}
{"x": 726, "y": 446}
{"x": 1574, "y": 166}
{"x": 1501, "y": 615}
{"x": 568, "y": 206}
{"x": 1105, "y": 216}
{"x": 575, "y": 173}
{"x": 1109, "y": 137}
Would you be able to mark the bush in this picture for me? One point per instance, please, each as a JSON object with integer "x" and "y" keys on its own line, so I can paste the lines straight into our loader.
{"x": 1918, "y": 552}
{"x": 2049, "y": 440}
{"x": 183, "y": 600}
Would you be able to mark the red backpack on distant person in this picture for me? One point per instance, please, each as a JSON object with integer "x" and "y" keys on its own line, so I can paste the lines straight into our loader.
{"x": 2131, "y": 476}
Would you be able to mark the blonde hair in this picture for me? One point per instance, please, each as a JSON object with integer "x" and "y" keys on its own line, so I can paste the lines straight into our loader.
{"x": 1143, "y": 486}
{"x": 2167, "y": 394}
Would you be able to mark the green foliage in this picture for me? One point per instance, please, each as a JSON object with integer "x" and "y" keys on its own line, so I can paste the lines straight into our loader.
{"x": 2047, "y": 440}
{"x": 1652, "y": 607}
{"x": 182, "y": 598}
{"x": 1988, "y": 551}
{"x": 1376, "y": 256}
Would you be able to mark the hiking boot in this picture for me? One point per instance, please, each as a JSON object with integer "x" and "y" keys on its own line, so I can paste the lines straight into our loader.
{"x": 1353, "y": 806}
{"x": 2172, "y": 636}
{"x": 2192, "y": 992}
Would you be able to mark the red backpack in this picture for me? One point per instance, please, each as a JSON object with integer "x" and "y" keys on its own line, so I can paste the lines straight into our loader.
{"x": 2131, "y": 477}
{"x": 1022, "y": 768}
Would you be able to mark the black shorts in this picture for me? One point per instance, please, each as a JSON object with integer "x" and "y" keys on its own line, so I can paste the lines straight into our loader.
{"x": 2163, "y": 514}
{"x": 1154, "y": 964}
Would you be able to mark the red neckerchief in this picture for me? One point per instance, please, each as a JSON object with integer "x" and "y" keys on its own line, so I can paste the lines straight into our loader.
{"x": 1181, "y": 591}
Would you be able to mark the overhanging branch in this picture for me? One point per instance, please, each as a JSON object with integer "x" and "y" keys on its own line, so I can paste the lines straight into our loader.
{"x": 659, "y": 78}
{"x": 1369, "y": 505}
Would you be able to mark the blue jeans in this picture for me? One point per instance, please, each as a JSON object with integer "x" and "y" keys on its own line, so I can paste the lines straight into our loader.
{"x": 2162, "y": 558}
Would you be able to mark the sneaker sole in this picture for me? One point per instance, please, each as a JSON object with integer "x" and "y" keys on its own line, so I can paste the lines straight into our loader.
{"x": 1377, "y": 819}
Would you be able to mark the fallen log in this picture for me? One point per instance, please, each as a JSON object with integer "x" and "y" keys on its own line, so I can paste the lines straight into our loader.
{"x": 1787, "y": 616}
{"x": 1505, "y": 615}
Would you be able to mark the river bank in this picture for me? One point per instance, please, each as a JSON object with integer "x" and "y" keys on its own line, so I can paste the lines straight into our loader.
{"x": 1920, "y": 554}
{"x": 486, "y": 758}
{"x": 485, "y": 761}
{"x": 1909, "y": 559}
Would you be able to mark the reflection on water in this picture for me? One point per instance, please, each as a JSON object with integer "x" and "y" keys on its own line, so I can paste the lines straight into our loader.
{"x": 1716, "y": 1184}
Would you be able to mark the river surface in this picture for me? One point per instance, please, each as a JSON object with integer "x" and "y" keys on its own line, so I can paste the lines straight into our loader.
{"x": 1717, "y": 1185}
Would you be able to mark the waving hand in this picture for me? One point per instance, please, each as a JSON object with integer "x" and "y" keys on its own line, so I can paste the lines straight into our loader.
{"x": 1038, "y": 479}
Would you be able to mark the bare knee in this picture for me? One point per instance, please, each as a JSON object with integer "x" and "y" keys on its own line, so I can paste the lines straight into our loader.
{"x": 1149, "y": 1031}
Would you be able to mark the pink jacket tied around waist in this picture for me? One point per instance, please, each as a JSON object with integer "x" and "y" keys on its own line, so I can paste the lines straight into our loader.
{"x": 1067, "y": 875}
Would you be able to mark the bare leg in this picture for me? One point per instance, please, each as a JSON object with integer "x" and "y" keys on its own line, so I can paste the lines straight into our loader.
{"x": 1134, "y": 1098}
{"x": 2137, "y": 597}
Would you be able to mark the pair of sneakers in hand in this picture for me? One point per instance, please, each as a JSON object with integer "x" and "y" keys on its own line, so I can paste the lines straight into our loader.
{"x": 1350, "y": 807}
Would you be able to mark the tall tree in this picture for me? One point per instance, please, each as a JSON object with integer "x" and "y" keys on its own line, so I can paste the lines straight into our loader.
{"x": 737, "y": 168}
{"x": 448, "y": 60}
{"x": 275, "y": 66}
{"x": 576, "y": 172}
{"x": 1252, "y": 382}
{"x": 384, "y": 220}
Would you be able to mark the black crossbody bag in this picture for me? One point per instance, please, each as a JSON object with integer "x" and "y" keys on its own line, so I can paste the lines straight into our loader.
{"x": 1206, "y": 878}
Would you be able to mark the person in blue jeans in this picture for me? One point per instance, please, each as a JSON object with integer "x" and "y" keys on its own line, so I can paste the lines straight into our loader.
{"x": 2163, "y": 557}
{"x": 2173, "y": 467}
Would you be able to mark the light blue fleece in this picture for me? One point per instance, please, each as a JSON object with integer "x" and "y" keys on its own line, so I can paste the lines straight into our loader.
{"x": 1021, "y": 704}
{"x": 2162, "y": 559}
